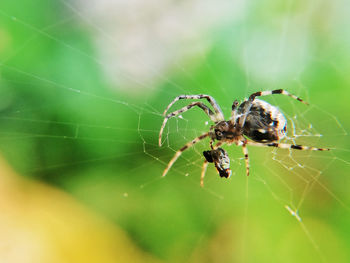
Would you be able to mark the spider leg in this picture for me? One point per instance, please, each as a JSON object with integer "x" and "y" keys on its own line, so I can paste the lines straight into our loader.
{"x": 205, "y": 163}
{"x": 276, "y": 91}
{"x": 206, "y": 109}
{"x": 234, "y": 111}
{"x": 210, "y": 99}
{"x": 185, "y": 147}
{"x": 246, "y": 157}
{"x": 204, "y": 170}
{"x": 287, "y": 146}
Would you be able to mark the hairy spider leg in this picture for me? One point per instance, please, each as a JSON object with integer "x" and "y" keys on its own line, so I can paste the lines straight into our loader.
{"x": 234, "y": 111}
{"x": 287, "y": 146}
{"x": 210, "y": 99}
{"x": 201, "y": 105}
{"x": 276, "y": 91}
{"x": 185, "y": 147}
{"x": 246, "y": 157}
{"x": 248, "y": 105}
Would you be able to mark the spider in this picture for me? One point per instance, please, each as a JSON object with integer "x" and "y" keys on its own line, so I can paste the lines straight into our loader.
{"x": 253, "y": 119}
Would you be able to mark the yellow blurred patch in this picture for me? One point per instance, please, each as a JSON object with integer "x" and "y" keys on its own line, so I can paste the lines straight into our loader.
{"x": 39, "y": 223}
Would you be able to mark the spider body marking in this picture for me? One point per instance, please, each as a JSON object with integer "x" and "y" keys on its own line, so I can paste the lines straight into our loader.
{"x": 264, "y": 123}
{"x": 253, "y": 119}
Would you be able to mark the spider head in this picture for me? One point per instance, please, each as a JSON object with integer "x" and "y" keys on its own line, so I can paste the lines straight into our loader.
{"x": 223, "y": 130}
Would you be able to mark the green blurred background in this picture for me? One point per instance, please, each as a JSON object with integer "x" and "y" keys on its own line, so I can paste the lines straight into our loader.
{"x": 83, "y": 85}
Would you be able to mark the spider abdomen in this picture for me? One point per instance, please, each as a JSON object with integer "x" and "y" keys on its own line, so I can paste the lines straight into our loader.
{"x": 264, "y": 122}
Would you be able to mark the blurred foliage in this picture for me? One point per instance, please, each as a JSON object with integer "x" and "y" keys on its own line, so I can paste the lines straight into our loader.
{"x": 41, "y": 224}
{"x": 63, "y": 123}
